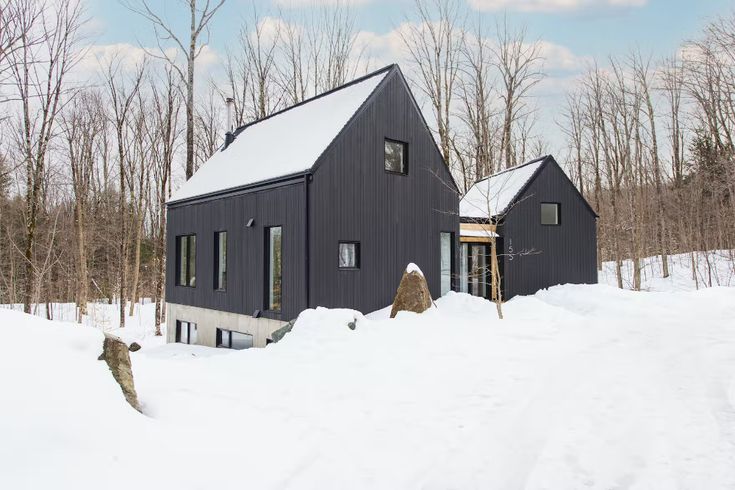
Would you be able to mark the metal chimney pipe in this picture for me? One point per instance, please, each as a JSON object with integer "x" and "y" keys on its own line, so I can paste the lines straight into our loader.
{"x": 229, "y": 135}
{"x": 229, "y": 102}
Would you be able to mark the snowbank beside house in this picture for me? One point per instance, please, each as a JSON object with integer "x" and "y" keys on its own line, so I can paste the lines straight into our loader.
{"x": 580, "y": 387}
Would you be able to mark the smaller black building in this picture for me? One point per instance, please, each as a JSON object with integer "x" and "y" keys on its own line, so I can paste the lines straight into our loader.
{"x": 545, "y": 231}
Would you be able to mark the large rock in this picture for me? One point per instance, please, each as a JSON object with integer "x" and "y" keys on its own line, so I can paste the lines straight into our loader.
{"x": 115, "y": 354}
{"x": 413, "y": 292}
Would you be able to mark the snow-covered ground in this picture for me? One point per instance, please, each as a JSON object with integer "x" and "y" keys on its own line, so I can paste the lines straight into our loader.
{"x": 140, "y": 327}
{"x": 579, "y": 387}
{"x": 713, "y": 268}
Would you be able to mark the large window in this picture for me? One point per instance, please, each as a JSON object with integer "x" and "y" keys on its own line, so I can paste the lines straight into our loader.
{"x": 550, "y": 213}
{"x": 446, "y": 248}
{"x": 396, "y": 157}
{"x": 274, "y": 261}
{"x": 186, "y": 251}
{"x": 220, "y": 260}
{"x": 349, "y": 255}
{"x": 233, "y": 340}
{"x": 186, "y": 332}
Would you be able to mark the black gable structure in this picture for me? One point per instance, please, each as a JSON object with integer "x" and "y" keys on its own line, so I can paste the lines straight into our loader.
{"x": 322, "y": 204}
{"x": 546, "y": 232}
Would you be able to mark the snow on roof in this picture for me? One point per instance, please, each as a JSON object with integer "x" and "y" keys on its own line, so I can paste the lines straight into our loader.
{"x": 286, "y": 143}
{"x": 496, "y": 193}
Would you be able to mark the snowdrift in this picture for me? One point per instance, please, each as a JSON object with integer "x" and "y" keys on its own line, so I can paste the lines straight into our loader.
{"x": 580, "y": 387}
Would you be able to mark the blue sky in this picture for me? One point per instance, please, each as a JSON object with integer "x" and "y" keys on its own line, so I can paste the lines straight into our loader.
{"x": 574, "y": 31}
{"x": 656, "y": 26}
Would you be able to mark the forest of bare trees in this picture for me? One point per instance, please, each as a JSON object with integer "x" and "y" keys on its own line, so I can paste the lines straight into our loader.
{"x": 87, "y": 164}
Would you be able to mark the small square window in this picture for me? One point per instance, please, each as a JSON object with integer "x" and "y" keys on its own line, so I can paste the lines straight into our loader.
{"x": 550, "y": 213}
{"x": 396, "y": 157}
{"x": 349, "y": 255}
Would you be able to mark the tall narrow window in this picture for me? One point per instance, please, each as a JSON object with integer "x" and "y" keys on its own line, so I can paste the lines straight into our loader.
{"x": 220, "y": 260}
{"x": 463, "y": 268}
{"x": 550, "y": 213}
{"x": 446, "y": 247}
{"x": 349, "y": 255}
{"x": 186, "y": 248}
{"x": 274, "y": 264}
{"x": 396, "y": 157}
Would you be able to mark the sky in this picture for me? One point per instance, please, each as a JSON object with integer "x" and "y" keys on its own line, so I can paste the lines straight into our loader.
{"x": 573, "y": 32}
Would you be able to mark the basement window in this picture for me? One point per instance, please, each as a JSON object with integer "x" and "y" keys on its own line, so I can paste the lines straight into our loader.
{"x": 227, "y": 339}
{"x": 396, "y": 157}
{"x": 186, "y": 332}
{"x": 550, "y": 213}
{"x": 186, "y": 250}
{"x": 349, "y": 255}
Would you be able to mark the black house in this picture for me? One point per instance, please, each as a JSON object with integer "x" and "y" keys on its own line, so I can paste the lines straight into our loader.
{"x": 544, "y": 230}
{"x": 320, "y": 204}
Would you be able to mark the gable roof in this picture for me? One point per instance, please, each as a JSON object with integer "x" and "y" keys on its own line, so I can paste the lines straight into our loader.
{"x": 497, "y": 192}
{"x": 500, "y": 191}
{"x": 286, "y": 143}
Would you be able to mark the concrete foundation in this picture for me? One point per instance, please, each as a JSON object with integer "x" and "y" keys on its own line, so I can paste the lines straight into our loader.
{"x": 208, "y": 321}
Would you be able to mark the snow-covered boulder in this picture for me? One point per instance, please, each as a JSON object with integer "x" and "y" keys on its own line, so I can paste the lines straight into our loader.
{"x": 413, "y": 292}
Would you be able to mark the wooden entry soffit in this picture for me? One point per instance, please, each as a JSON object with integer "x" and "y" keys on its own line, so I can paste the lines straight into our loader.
{"x": 476, "y": 233}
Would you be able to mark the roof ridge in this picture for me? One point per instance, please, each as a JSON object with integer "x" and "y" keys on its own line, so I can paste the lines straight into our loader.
{"x": 360, "y": 79}
{"x": 511, "y": 169}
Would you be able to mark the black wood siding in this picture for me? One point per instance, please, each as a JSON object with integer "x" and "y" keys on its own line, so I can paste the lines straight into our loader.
{"x": 397, "y": 219}
{"x": 561, "y": 254}
{"x": 246, "y": 279}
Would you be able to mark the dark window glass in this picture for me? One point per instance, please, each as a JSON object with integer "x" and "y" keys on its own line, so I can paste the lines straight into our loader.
{"x": 186, "y": 248}
{"x": 274, "y": 263}
{"x": 396, "y": 157}
{"x": 233, "y": 340}
{"x": 220, "y": 260}
{"x": 186, "y": 332}
{"x": 550, "y": 213}
{"x": 349, "y": 255}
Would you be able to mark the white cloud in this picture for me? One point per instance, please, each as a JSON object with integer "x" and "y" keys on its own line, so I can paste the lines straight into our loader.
{"x": 551, "y": 5}
{"x": 560, "y": 58}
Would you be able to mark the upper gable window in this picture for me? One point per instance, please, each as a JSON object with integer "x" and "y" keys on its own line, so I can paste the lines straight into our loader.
{"x": 550, "y": 213}
{"x": 396, "y": 157}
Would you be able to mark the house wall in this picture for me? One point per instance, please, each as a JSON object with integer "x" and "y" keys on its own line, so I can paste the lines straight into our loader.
{"x": 246, "y": 273}
{"x": 558, "y": 254}
{"x": 397, "y": 219}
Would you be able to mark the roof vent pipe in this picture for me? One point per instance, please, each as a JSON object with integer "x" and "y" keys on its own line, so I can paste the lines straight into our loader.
{"x": 229, "y": 135}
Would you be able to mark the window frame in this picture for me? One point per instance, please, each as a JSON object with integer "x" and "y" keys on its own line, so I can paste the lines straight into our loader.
{"x": 558, "y": 213}
{"x": 216, "y": 267}
{"x": 187, "y": 283}
{"x": 357, "y": 255}
{"x": 452, "y": 265}
{"x": 404, "y": 144}
{"x": 268, "y": 304}
{"x": 179, "y": 325}
{"x": 219, "y": 344}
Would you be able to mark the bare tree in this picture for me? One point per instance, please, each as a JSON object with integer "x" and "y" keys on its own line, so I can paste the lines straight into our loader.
{"x": 46, "y": 51}
{"x": 435, "y": 46}
{"x": 200, "y": 13}
{"x": 519, "y": 64}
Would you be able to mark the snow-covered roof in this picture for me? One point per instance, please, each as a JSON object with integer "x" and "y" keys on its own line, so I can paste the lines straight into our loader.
{"x": 286, "y": 143}
{"x": 493, "y": 195}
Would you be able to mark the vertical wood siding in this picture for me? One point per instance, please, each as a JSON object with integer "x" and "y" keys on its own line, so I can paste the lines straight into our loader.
{"x": 246, "y": 279}
{"x": 561, "y": 254}
{"x": 397, "y": 219}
